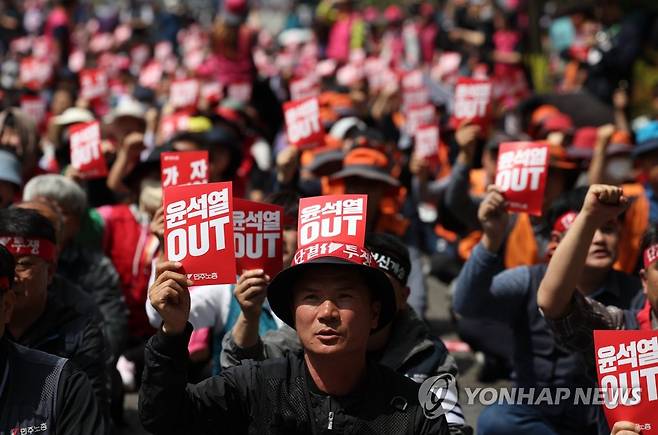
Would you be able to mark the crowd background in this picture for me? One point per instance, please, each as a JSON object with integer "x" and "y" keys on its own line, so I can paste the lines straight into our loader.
{"x": 581, "y": 75}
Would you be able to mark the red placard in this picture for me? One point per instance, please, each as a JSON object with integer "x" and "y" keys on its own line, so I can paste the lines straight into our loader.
{"x": 258, "y": 236}
{"x": 426, "y": 143}
{"x": 34, "y": 106}
{"x": 172, "y": 124}
{"x": 472, "y": 101}
{"x": 212, "y": 92}
{"x": 34, "y": 73}
{"x": 521, "y": 175}
{"x": 627, "y": 369}
{"x": 93, "y": 84}
{"x": 86, "y": 155}
{"x": 151, "y": 75}
{"x": 332, "y": 218}
{"x": 240, "y": 91}
{"x": 184, "y": 167}
{"x": 412, "y": 80}
{"x": 414, "y": 97}
{"x": 417, "y": 116}
{"x": 184, "y": 94}
{"x": 303, "y": 124}
{"x": 306, "y": 87}
{"x": 199, "y": 231}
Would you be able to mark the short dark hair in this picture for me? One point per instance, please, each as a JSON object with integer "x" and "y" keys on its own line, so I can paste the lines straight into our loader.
{"x": 6, "y": 266}
{"x": 26, "y": 223}
{"x": 287, "y": 199}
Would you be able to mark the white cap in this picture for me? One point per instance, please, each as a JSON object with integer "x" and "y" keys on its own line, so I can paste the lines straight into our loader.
{"x": 73, "y": 115}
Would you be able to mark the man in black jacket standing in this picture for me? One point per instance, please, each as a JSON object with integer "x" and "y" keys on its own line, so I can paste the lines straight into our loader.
{"x": 39, "y": 392}
{"x": 334, "y": 301}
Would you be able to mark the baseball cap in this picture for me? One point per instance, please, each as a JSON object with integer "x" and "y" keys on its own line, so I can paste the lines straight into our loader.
{"x": 369, "y": 163}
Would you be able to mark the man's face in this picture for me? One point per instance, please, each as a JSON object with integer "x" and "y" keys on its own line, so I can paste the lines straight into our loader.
{"x": 334, "y": 313}
{"x": 603, "y": 250}
{"x": 33, "y": 276}
{"x": 289, "y": 245}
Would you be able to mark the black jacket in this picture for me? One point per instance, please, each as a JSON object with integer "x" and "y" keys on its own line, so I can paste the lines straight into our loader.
{"x": 44, "y": 394}
{"x": 95, "y": 274}
{"x": 276, "y": 396}
{"x": 72, "y": 331}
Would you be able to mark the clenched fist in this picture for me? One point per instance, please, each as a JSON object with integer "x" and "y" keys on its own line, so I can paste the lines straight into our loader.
{"x": 493, "y": 217}
{"x": 251, "y": 291}
{"x": 170, "y": 296}
{"x": 604, "y": 203}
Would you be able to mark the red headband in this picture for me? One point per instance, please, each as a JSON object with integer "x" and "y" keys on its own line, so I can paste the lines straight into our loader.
{"x": 42, "y": 248}
{"x": 650, "y": 255}
{"x": 351, "y": 253}
{"x": 564, "y": 222}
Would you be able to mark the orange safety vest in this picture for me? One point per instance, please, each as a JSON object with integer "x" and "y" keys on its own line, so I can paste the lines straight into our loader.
{"x": 521, "y": 247}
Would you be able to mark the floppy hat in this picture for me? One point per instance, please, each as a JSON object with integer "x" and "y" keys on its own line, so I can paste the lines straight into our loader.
{"x": 584, "y": 141}
{"x": 367, "y": 163}
{"x": 128, "y": 108}
{"x": 73, "y": 115}
{"x": 279, "y": 292}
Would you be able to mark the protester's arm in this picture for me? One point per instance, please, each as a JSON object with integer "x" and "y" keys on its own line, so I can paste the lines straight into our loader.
{"x": 166, "y": 403}
{"x": 250, "y": 292}
{"x": 77, "y": 409}
{"x": 126, "y": 159}
{"x": 479, "y": 292}
{"x": 457, "y": 196}
{"x": 620, "y": 102}
{"x": 274, "y": 344}
{"x": 602, "y": 204}
{"x": 596, "y": 174}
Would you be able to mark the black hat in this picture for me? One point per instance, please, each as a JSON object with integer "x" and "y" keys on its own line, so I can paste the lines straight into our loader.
{"x": 279, "y": 292}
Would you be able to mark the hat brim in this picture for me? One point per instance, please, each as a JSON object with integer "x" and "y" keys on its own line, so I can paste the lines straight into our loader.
{"x": 279, "y": 292}
{"x": 327, "y": 163}
{"x": 644, "y": 147}
{"x": 367, "y": 173}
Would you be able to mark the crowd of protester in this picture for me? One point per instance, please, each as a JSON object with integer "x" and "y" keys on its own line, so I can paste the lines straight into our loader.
{"x": 526, "y": 290}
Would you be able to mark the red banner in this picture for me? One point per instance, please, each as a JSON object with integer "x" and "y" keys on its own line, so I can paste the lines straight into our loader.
{"x": 417, "y": 116}
{"x": 151, "y": 75}
{"x": 303, "y": 124}
{"x": 86, "y": 155}
{"x": 35, "y": 107}
{"x": 332, "y": 218}
{"x": 627, "y": 369}
{"x": 307, "y": 87}
{"x": 184, "y": 167}
{"x": 258, "y": 236}
{"x": 199, "y": 231}
{"x": 414, "y": 97}
{"x": 172, "y": 124}
{"x": 184, "y": 94}
{"x": 35, "y": 73}
{"x": 521, "y": 175}
{"x": 93, "y": 84}
{"x": 472, "y": 102}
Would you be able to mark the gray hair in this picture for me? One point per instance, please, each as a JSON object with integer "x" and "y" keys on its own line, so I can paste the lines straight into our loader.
{"x": 58, "y": 188}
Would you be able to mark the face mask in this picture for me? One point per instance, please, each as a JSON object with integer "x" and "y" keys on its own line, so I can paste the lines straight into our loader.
{"x": 150, "y": 196}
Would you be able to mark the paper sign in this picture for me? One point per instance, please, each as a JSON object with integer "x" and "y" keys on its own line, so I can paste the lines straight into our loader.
{"x": 627, "y": 369}
{"x": 412, "y": 80}
{"x": 199, "y": 231}
{"x": 86, "y": 155}
{"x": 151, "y": 75}
{"x": 306, "y": 87}
{"x": 184, "y": 167}
{"x": 303, "y": 124}
{"x": 258, "y": 236}
{"x": 172, "y": 124}
{"x": 426, "y": 143}
{"x": 332, "y": 218}
{"x": 521, "y": 175}
{"x": 472, "y": 101}
{"x": 414, "y": 97}
{"x": 240, "y": 92}
{"x": 34, "y": 73}
{"x": 35, "y": 107}
{"x": 417, "y": 116}
{"x": 163, "y": 50}
{"x": 184, "y": 94}
{"x": 93, "y": 84}
{"x": 211, "y": 92}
